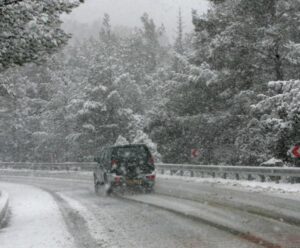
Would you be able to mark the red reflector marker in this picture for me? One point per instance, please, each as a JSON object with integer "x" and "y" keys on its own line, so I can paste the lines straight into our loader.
{"x": 114, "y": 164}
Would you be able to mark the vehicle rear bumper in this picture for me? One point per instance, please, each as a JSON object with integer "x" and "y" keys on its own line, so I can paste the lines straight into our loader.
{"x": 142, "y": 180}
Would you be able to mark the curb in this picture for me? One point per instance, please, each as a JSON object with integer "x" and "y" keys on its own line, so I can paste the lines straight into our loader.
{"x": 4, "y": 203}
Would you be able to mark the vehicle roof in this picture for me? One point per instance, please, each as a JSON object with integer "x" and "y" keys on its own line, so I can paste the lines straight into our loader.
{"x": 128, "y": 145}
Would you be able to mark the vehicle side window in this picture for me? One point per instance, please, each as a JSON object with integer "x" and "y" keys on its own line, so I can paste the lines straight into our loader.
{"x": 103, "y": 156}
{"x": 107, "y": 159}
{"x": 100, "y": 158}
{"x": 109, "y": 156}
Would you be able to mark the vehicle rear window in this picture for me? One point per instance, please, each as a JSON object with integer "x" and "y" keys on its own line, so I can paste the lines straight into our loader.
{"x": 131, "y": 152}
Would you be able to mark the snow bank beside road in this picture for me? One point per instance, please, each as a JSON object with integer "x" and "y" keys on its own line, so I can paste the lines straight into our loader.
{"x": 3, "y": 206}
{"x": 250, "y": 185}
{"x": 35, "y": 221}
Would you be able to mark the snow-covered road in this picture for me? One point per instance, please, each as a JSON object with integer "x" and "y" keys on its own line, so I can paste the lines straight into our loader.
{"x": 98, "y": 221}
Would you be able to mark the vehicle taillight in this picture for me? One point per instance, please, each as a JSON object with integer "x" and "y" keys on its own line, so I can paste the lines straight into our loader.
{"x": 117, "y": 179}
{"x": 114, "y": 164}
{"x": 151, "y": 177}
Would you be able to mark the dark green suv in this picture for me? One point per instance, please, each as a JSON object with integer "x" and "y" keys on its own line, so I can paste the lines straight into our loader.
{"x": 124, "y": 166}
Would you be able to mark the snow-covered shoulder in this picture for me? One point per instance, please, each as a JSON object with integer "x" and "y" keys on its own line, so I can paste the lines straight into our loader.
{"x": 243, "y": 185}
{"x": 35, "y": 220}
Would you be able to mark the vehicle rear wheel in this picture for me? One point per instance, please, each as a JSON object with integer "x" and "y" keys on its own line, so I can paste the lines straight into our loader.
{"x": 149, "y": 190}
{"x": 109, "y": 190}
{"x": 96, "y": 185}
{"x": 107, "y": 186}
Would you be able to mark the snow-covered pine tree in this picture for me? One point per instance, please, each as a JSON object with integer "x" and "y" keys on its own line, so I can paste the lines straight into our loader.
{"x": 178, "y": 46}
{"x": 274, "y": 127}
{"x": 30, "y": 30}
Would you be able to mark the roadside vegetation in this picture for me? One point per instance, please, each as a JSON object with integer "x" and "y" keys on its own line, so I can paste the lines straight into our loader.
{"x": 231, "y": 88}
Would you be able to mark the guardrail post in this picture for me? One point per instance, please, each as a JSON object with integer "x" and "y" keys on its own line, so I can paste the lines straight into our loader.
{"x": 249, "y": 177}
{"x": 192, "y": 173}
{"x": 262, "y": 178}
{"x": 162, "y": 171}
{"x": 237, "y": 176}
{"x": 181, "y": 172}
{"x": 213, "y": 174}
{"x": 224, "y": 175}
{"x": 295, "y": 179}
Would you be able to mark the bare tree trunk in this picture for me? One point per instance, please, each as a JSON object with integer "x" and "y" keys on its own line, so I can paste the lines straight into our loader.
{"x": 278, "y": 68}
{"x": 278, "y": 64}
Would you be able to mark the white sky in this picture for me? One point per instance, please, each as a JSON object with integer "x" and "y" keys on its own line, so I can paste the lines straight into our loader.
{"x": 128, "y": 12}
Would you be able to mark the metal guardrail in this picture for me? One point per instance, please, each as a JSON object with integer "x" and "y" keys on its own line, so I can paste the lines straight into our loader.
{"x": 237, "y": 172}
{"x": 70, "y": 166}
{"x": 275, "y": 173}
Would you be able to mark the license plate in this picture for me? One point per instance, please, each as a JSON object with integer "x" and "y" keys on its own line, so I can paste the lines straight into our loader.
{"x": 134, "y": 182}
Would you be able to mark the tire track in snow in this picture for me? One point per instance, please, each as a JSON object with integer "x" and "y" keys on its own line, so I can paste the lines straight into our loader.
{"x": 76, "y": 223}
